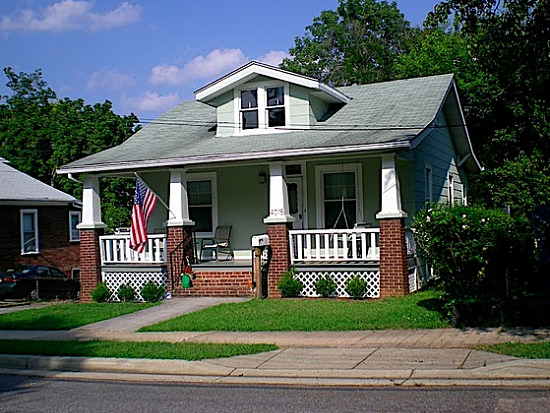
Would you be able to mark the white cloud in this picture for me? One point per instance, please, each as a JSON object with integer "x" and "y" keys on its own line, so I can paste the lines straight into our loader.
{"x": 201, "y": 67}
{"x": 273, "y": 57}
{"x": 68, "y": 15}
{"x": 110, "y": 79}
{"x": 150, "y": 102}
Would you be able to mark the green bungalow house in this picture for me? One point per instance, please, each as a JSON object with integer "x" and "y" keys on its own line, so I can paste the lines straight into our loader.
{"x": 332, "y": 175}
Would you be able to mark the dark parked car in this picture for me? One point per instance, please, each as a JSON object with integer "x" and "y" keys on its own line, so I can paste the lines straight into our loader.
{"x": 37, "y": 282}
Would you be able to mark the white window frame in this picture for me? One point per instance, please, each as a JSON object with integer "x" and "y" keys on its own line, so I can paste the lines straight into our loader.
{"x": 320, "y": 171}
{"x": 261, "y": 88}
{"x": 34, "y": 212}
{"x": 207, "y": 176}
{"x": 71, "y": 215}
{"x": 428, "y": 184}
{"x": 451, "y": 188}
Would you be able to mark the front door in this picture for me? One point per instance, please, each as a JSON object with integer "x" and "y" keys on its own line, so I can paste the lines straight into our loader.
{"x": 295, "y": 201}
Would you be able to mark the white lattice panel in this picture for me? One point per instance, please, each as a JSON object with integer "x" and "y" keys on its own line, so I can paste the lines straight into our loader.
{"x": 136, "y": 280}
{"x": 371, "y": 277}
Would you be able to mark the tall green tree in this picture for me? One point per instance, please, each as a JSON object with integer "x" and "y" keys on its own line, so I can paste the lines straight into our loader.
{"x": 39, "y": 133}
{"x": 359, "y": 42}
{"x": 509, "y": 113}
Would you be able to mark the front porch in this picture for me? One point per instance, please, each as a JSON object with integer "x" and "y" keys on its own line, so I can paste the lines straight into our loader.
{"x": 317, "y": 199}
{"x": 342, "y": 254}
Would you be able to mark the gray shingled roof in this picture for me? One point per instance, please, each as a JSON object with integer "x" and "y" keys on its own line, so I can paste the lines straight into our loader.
{"x": 15, "y": 186}
{"x": 379, "y": 115}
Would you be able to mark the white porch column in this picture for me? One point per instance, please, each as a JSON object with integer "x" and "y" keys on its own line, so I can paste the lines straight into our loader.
{"x": 178, "y": 202}
{"x": 91, "y": 204}
{"x": 279, "y": 212}
{"x": 391, "y": 194}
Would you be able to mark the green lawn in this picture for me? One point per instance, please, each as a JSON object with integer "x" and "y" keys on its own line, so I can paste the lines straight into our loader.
{"x": 66, "y": 316}
{"x": 415, "y": 311}
{"x": 539, "y": 350}
{"x": 131, "y": 349}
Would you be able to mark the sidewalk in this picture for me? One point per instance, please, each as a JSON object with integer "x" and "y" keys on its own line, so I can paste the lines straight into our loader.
{"x": 352, "y": 358}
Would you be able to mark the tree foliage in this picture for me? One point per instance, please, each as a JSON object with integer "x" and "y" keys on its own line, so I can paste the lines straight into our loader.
{"x": 39, "y": 133}
{"x": 357, "y": 43}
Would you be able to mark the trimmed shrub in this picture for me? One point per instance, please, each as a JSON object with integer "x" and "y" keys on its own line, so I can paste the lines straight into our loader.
{"x": 152, "y": 292}
{"x": 325, "y": 286}
{"x": 356, "y": 288}
{"x": 289, "y": 286}
{"x": 101, "y": 293}
{"x": 126, "y": 293}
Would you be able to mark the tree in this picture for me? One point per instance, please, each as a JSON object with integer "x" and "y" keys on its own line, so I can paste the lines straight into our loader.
{"x": 358, "y": 43}
{"x": 39, "y": 133}
{"x": 510, "y": 42}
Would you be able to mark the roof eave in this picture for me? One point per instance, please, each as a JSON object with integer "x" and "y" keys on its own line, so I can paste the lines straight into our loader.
{"x": 248, "y": 156}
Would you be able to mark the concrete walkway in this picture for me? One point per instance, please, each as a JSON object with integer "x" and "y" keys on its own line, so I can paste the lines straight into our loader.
{"x": 352, "y": 358}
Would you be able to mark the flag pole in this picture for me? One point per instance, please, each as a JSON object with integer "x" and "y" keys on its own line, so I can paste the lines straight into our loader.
{"x": 158, "y": 197}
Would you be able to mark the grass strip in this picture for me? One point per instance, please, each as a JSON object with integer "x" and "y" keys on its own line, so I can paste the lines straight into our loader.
{"x": 540, "y": 350}
{"x": 416, "y": 311}
{"x": 67, "y": 316}
{"x": 131, "y": 349}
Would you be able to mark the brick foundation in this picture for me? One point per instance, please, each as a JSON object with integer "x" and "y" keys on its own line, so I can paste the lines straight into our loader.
{"x": 226, "y": 283}
{"x": 90, "y": 262}
{"x": 280, "y": 261}
{"x": 394, "y": 280}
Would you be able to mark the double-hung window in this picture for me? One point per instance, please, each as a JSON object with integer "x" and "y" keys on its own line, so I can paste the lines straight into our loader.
{"x": 249, "y": 109}
{"x": 275, "y": 106}
{"x": 74, "y": 220}
{"x": 201, "y": 194}
{"x": 29, "y": 231}
{"x": 261, "y": 107}
{"x": 339, "y": 195}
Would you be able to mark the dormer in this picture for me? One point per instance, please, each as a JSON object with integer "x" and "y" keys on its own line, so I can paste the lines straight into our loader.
{"x": 258, "y": 99}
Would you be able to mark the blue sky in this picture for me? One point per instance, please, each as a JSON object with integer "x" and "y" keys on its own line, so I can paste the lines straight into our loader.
{"x": 146, "y": 56}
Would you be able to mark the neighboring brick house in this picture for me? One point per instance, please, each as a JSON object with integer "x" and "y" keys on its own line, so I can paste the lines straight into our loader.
{"x": 332, "y": 175}
{"x": 37, "y": 223}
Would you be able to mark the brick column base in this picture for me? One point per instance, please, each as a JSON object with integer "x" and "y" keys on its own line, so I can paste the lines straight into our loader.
{"x": 394, "y": 279}
{"x": 90, "y": 262}
{"x": 280, "y": 260}
{"x": 174, "y": 261}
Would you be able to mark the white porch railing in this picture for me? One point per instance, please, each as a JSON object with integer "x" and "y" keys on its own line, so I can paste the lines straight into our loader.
{"x": 334, "y": 245}
{"x": 115, "y": 249}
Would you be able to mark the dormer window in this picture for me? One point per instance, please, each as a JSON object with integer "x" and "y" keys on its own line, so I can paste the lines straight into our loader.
{"x": 262, "y": 107}
{"x": 249, "y": 109}
{"x": 276, "y": 106}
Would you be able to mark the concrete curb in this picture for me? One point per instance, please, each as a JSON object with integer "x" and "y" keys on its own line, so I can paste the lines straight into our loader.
{"x": 517, "y": 373}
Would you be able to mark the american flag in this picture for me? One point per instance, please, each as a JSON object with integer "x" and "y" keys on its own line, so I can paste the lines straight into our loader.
{"x": 144, "y": 204}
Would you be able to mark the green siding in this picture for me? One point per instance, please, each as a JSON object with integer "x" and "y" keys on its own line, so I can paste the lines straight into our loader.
{"x": 299, "y": 106}
{"x": 437, "y": 151}
{"x": 226, "y": 115}
{"x": 242, "y": 202}
{"x": 159, "y": 183}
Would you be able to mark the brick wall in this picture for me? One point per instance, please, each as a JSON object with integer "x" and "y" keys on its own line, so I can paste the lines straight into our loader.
{"x": 90, "y": 262}
{"x": 53, "y": 239}
{"x": 280, "y": 261}
{"x": 394, "y": 279}
{"x": 218, "y": 283}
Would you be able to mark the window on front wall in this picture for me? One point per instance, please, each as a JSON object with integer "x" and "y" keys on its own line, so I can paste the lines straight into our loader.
{"x": 339, "y": 195}
{"x": 249, "y": 109}
{"x": 262, "y": 107}
{"x": 29, "y": 231}
{"x": 428, "y": 185}
{"x": 201, "y": 195}
{"x": 276, "y": 106}
{"x": 74, "y": 220}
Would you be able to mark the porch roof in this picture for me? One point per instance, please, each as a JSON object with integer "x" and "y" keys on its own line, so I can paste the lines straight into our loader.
{"x": 379, "y": 116}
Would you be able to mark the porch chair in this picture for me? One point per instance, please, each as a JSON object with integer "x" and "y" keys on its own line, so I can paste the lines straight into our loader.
{"x": 219, "y": 244}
